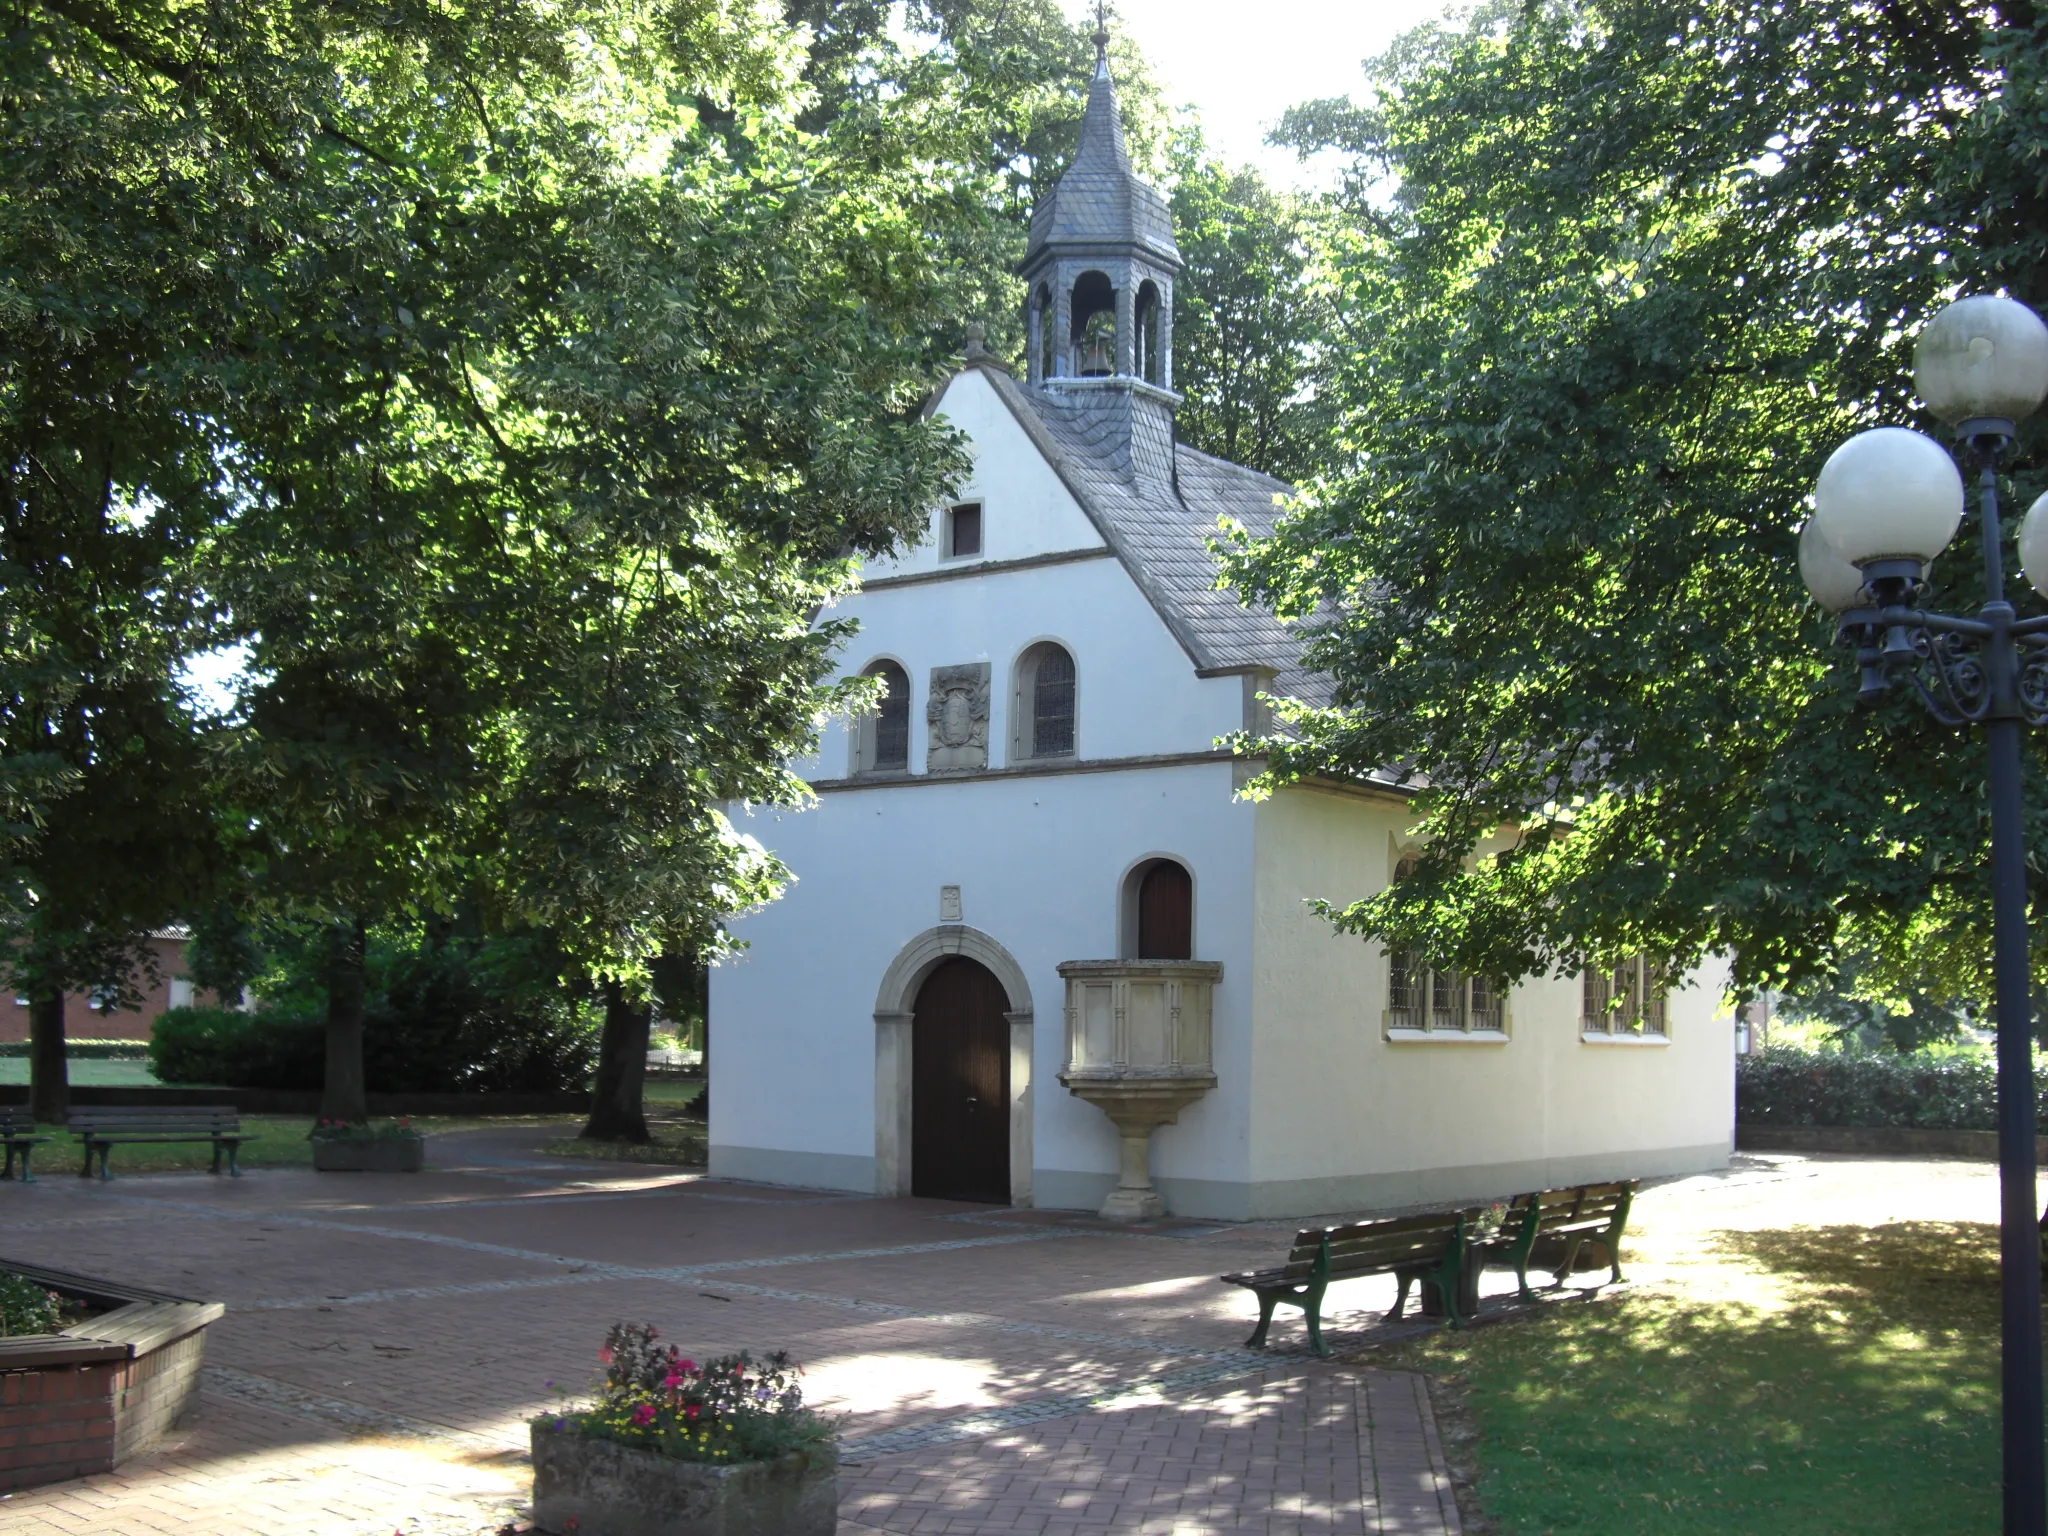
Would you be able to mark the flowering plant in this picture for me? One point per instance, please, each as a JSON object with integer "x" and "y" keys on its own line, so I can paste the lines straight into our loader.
{"x": 731, "y": 1409}
{"x": 361, "y": 1130}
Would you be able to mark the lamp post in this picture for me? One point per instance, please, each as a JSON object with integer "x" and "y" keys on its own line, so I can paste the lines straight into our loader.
{"x": 1889, "y": 501}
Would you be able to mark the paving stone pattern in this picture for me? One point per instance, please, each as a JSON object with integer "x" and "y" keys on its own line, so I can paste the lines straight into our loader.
{"x": 388, "y": 1337}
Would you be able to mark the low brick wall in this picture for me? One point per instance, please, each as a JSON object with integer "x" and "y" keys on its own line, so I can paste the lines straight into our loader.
{"x": 87, "y": 1398}
{"x": 1875, "y": 1141}
{"x": 56, "y": 1421}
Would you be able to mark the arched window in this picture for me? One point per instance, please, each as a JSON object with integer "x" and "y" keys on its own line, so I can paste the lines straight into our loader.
{"x": 1043, "y": 333}
{"x": 1148, "y": 331}
{"x": 1423, "y": 999}
{"x": 1044, "y": 713}
{"x": 1158, "y": 917}
{"x": 881, "y": 741}
{"x": 1094, "y": 335}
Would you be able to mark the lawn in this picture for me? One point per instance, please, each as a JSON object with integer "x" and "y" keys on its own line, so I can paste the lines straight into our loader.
{"x": 86, "y": 1072}
{"x": 1838, "y": 1378}
{"x": 280, "y": 1140}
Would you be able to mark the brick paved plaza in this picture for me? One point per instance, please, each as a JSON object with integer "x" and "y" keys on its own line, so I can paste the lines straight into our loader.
{"x": 387, "y": 1336}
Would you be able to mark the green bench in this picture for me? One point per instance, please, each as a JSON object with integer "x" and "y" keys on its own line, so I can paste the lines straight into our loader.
{"x": 1430, "y": 1249}
{"x": 103, "y": 1129}
{"x": 1591, "y": 1211}
{"x": 18, "y": 1134}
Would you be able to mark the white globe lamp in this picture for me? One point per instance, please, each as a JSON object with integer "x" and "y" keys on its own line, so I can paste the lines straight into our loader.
{"x": 1888, "y": 495}
{"x": 1982, "y": 359}
{"x": 2034, "y": 545}
{"x": 1833, "y": 581}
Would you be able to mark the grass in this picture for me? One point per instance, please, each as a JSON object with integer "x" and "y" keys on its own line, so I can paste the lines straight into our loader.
{"x": 1854, "y": 1390}
{"x": 279, "y": 1141}
{"x": 85, "y": 1072}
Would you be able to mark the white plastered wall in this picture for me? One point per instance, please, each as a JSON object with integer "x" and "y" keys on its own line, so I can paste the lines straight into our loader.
{"x": 1039, "y": 863}
{"x": 1345, "y": 1119}
{"x": 1027, "y": 511}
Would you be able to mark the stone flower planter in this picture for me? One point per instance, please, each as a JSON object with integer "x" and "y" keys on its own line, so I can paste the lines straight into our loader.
{"x": 88, "y": 1397}
{"x": 610, "y": 1489}
{"x": 369, "y": 1154}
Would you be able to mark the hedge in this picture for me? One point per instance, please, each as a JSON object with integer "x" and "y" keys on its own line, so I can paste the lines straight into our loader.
{"x": 469, "y": 1053}
{"x": 1794, "y": 1087}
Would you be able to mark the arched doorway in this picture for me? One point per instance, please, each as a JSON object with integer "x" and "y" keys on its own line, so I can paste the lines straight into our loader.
{"x": 960, "y": 1085}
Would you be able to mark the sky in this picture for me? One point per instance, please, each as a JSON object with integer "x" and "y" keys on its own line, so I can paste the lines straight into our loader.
{"x": 1241, "y": 65}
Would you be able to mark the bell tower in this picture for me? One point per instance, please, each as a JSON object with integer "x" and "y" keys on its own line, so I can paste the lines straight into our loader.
{"x": 1100, "y": 266}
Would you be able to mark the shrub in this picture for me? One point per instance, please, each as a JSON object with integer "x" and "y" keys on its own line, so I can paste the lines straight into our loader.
{"x": 730, "y": 1409}
{"x": 237, "y": 1050}
{"x": 26, "y": 1307}
{"x": 86, "y": 1050}
{"x": 427, "y": 1034}
{"x": 1794, "y": 1087}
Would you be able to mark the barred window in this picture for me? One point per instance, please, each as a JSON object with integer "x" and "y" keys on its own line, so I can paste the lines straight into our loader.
{"x": 881, "y": 742}
{"x": 1044, "y": 704}
{"x": 1439, "y": 1001}
{"x": 1625, "y": 1002}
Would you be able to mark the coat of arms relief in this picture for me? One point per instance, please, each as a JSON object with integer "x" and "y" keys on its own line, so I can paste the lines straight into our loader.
{"x": 956, "y": 713}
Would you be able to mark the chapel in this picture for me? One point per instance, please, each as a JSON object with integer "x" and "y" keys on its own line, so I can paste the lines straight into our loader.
{"x": 1039, "y": 950}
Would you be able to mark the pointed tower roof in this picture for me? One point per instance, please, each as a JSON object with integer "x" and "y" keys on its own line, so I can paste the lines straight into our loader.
{"x": 1100, "y": 205}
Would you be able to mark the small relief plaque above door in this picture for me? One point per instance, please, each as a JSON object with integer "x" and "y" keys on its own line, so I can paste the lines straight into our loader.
{"x": 949, "y": 903}
{"x": 956, "y": 711}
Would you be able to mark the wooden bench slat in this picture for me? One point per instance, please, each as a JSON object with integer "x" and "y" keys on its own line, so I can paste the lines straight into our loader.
{"x": 1428, "y": 1248}
{"x": 102, "y": 1129}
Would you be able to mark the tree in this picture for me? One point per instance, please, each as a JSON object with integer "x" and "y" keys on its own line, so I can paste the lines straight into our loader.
{"x": 1646, "y": 265}
{"x": 1253, "y": 326}
{"x": 523, "y": 333}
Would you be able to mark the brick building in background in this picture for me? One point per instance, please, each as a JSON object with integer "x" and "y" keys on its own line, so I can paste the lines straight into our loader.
{"x": 84, "y": 1020}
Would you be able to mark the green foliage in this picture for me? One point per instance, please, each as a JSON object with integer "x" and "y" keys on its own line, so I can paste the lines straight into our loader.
{"x": 1901, "y": 1023}
{"x": 1645, "y": 265}
{"x": 86, "y": 1050}
{"x": 1253, "y": 324}
{"x": 236, "y": 1050}
{"x": 435, "y": 1023}
{"x": 732, "y": 1409}
{"x": 401, "y": 1129}
{"x": 26, "y": 1307}
{"x": 1939, "y": 1093}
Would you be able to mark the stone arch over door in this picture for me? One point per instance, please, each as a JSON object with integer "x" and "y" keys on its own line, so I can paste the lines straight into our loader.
{"x": 895, "y": 1002}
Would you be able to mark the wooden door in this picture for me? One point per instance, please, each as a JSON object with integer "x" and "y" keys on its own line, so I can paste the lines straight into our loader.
{"x": 1166, "y": 913}
{"x": 960, "y": 1086}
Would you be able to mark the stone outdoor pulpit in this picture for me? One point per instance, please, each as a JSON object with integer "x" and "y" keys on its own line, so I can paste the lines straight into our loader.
{"x": 1138, "y": 1049}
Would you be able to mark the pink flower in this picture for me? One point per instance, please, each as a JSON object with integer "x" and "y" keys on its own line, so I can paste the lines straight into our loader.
{"x": 644, "y": 1415}
{"x": 672, "y": 1380}
{"x": 687, "y": 1366}
{"x": 690, "y": 1413}
{"x": 604, "y": 1356}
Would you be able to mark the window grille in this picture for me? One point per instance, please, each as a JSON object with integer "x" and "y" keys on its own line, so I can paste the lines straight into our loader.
{"x": 1627, "y": 1001}
{"x": 1404, "y": 992}
{"x": 1052, "y": 704}
{"x": 885, "y": 736}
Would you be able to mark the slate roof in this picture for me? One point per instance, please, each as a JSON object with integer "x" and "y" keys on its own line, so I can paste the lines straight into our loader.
{"x": 1156, "y": 501}
{"x": 1099, "y": 200}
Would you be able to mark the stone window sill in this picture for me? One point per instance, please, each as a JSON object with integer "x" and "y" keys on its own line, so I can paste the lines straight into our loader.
{"x": 1590, "y": 1037}
{"x": 1447, "y": 1037}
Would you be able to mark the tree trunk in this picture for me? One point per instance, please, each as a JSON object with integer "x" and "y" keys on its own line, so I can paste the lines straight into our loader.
{"x": 699, "y": 1108}
{"x": 49, "y": 1094}
{"x": 616, "y": 1110}
{"x": 343, "y": 1096}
